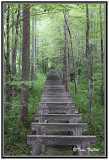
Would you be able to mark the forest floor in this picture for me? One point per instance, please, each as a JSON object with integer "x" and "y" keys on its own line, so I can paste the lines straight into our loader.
{"x": 15, "y": 134}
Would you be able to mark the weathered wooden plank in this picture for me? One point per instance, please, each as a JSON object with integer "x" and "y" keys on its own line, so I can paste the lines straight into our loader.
{"x": 53, "y": 89}
{"x": 59, "y": 117}
{"x": 55, "y": 92}
{"x": 53, "y": 83}
{"x": 55, "y": 86}
{"x": 61, "y": 139}
{"x": 51, "y": 80}
{"x": 62, "y": 110}
{"x": 55, "y": 100}
{"x": 55, "y": 96}
{"x": 59, "y": 126}
{"x": 58, "y": 104}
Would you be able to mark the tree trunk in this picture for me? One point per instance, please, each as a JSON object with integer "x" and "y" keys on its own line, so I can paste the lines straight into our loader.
{"x": 14, "y": 54}
{"x": 66, "y": 54}
{"x": 25, "y": 64}
{"x": 35, "y": 52}
{"x": 102, "y": 86}
{"x": 74, "y": 67}
{"x": 32, "y": 69}
{"x": 63, "y": 76}
{"x": 87, "y": 30}
{"x": 20, "y": 55}
{"x": 89, "y": 67}
{"x": 37, "y": 56}
{"x": 8, "y": 94}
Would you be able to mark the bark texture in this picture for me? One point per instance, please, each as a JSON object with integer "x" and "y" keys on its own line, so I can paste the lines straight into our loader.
{"x": 32, "y": 68}
{"x": 74, "y": 66}
{"x": 66, "y": 54}
{"x": 88, "y": 50}
{"x": 35, "y": 53}
{"x": 7, "y": 57}
{"x": 14, "y": 54}
{"x": 102, "y": 85}
{"x": 25, "y": 64}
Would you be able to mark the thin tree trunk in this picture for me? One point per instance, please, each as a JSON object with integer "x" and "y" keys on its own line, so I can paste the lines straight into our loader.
{"x": 89, "y": 67}
{"x": 12, "y": 88}
{"x": 64, "y": 68}
{"x": 25, "y": 64}
{"x": 32, "y": 72}
{"x": 66, "y": 54}
{"x": 37, "y": 56}
{"x": 92, "y": 46}
{"x": 8, "y": 105}
{"x": 79, "y": 57}
{"x": 20, "y": 55}
{"x": 14, "y": 54}
{"x": 102, "y": 92}
{"x": 20, "y": 61}
{"x": 42, "y": 57}
{"x": 35, "y": 52}
{"x": 74, "y": 67}
{"x": 15, "y": 47}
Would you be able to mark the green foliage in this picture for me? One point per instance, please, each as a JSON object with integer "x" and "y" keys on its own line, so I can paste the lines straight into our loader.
{"x": 15, "y": 134}
{"x": 82, "y": 103}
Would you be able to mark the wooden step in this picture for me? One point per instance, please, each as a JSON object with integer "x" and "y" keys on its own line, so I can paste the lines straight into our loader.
{"x": 40, "y": 128}
{"x": 61, "y": 110}
{"x": 38, "y": 140}
{"x": 58, "y": 104}
{"x": 55, "y": 96}
{"x": 55, "y": 91}
{"x": 61, "y": 139}
{"x": 59, "y": 117}
{"x": 53, "y": 83}
{"x": 55, "y": 100}
{"x": 55, "y": 86}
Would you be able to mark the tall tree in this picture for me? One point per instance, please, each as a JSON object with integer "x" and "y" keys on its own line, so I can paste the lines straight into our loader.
{"x": 66, "y": 54}
{"x": 32, "y": 68}
{"x": 74, "y": 67}
{"x": 37, "y": 55}
{"x": 101, "y": 34}
{"x": 25, "y": 64}
{"x": 35, "y": 51}
{"x": 88, "y": 51}
{"x": 14, "y": 54}
{"x": 12, "y": 86}
{"x": 7, "y": 57}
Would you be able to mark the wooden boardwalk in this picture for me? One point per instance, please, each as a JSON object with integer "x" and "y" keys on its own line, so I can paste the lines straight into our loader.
{"x": 57, "y": 112}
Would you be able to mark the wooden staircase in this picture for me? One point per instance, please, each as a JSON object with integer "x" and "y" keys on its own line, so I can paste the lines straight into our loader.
{"x": 57, "y": 112}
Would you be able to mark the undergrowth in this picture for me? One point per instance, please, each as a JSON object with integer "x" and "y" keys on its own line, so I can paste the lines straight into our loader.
{"x": 15, "y": 134}
{"x": 82, "y": 103}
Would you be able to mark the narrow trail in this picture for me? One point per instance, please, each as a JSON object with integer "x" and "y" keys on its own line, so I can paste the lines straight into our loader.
{"x": 58, "y": 130}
